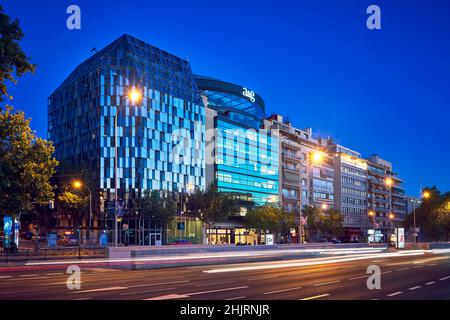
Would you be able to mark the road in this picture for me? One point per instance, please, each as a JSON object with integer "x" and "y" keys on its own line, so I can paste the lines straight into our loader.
{"x": 417, "y": 276}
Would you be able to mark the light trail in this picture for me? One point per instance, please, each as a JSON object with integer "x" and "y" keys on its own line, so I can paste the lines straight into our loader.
{"x": 311, "y": 262}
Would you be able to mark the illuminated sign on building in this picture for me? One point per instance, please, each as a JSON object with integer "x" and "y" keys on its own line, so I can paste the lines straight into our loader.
{"x": 249, "y": 94}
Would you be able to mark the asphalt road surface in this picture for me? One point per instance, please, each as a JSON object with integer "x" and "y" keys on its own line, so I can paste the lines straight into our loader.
{"x": 424, "y": 276}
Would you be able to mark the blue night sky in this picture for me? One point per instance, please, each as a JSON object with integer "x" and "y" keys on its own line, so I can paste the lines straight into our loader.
{"x": 382, "y": 91}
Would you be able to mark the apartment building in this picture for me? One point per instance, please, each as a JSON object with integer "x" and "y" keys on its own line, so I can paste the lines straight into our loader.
{"x": 386, "y": 197}
{"x": 350, "y": 189}
{"x": 299, "y": 173}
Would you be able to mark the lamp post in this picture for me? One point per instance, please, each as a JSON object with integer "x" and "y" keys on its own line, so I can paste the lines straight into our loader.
{"x": 316, "y": 157}
{"x": 425, "y": 195}
{"x": 373, "y": 214}
{"x": 389, "y": 182}
{"x": 77, "y": 184}
{"x": 189, "y": 187}
{"x": 134, "y": 96}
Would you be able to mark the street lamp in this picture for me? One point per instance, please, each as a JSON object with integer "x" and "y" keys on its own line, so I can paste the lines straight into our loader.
{"x": 189, "y": 187}
{"x": 425, "y": 195}
{"x": 372, "y": 214}
{"x": 77, "y": 184}
{"x": 389, "y": 183}
{"x": 316, "y": 157}
{"x": 134, "y": 96}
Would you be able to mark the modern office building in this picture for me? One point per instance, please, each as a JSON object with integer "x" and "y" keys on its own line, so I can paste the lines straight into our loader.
{"x": 241, "y": 154}
{"x": 350, "y": 188}
{"x": 386, "y": 197}
{"x": 153, "y": 99}
{"x": 299, "y": 173}
{"x": 135, "y": 118}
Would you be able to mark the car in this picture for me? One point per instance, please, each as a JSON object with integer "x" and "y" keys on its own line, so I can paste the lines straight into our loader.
{"x": 68, "y": 240}
{"x": 180, "y": 242}
{"x": 336, "y": 241}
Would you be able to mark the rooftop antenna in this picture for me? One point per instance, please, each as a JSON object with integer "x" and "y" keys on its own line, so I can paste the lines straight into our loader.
{"x": 94, "y": 50}
{"x": 187, "y": 58}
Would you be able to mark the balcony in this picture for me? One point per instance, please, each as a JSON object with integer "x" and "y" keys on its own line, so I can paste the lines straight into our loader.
{"x": 291, "y": 156}
{"x": 290, "y": 169}
{"x": 290, "y": 196}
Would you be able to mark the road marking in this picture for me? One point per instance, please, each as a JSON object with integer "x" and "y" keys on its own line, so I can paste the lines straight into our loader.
{"x": 101, "y": 289}
{"x": 416, "y": 267}
{"x": 168, "y": 297}
{"x": 213, "y": 291}
{"x": 384, "y": 272}
{"x": 5, "y": 277}
{"x": 262, "y": 278}
{"x": 282, "y": 290}
{"x": 403, "y": 269}
{"x": 21, "y": 291}
{"x": 361, "y": 277}
{"x": 25, "y": 279}
{"x": 325, "y": 283}
{"x": 445, "y": 278}
{"x": 29, "y": 275}
{"x": 236, "y": 298}
{"x": 429, "y": 283}
{"x": 394, "y": 294}
{"x": 414, "y": 288}
{"x": 158, "y": 284}
{"x": 54, "y": 274}
{"x": 147, "y": 291}
{"x": 432, "y": 264}
{"x": 59, "y": 283}
{"x": 88, "y": 298}
{"x": 213, "y": 284}
{"x": 316, "y": 297}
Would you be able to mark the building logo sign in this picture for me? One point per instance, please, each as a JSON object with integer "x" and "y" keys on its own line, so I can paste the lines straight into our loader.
{"x": 249, "y": 94}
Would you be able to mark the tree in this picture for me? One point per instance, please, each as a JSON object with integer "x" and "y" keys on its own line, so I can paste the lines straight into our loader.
{"x": 71, "y": 206}
{"x": 312, "y": 222}
{"x": 270, "y": 217}
{"x": 66, "y": 173}
{"x": 212, "y": 206}
{"x": 319, "y": 222}
{"x": 332, "y": 223}
{"x": 12, "y": 58}
{"x": 432, "y": 216}
{"x": 159, "y": 206}
{"x": 26, "y": 164}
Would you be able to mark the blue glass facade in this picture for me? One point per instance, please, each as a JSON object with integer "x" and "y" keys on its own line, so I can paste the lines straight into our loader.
{"x": 160, "y": 137}
{"x": 246, "y": 161}
{"x": 246, "y": 154}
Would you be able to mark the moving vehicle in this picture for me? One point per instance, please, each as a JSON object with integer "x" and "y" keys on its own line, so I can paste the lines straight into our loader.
{"x": 180, "y": 242}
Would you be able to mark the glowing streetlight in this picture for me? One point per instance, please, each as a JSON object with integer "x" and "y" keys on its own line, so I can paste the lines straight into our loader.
{"x": 324, "y": 206}
{"x": 389, "y": 182}
{"x": 371, "y": 213}
{"x": 134, "y": 95}
{"x": 77, "y": 184}
{"x": 317, "y": 157}
{"x": 426, "y": 194}
{"x": 391, "y": 216}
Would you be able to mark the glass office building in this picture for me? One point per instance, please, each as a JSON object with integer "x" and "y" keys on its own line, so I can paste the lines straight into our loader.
{"x": 160, "y": 134}
{"x": 242, "y": 153}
